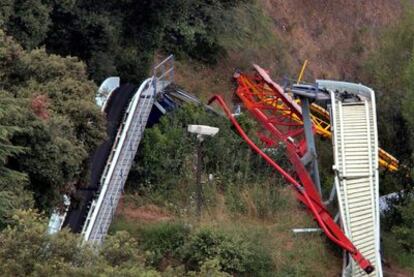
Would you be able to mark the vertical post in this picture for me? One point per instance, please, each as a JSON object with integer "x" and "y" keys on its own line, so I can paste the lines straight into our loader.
{"x": 310, "y": 142}
{"x": 199, "y": 186}
{"x": 201, "y": 131}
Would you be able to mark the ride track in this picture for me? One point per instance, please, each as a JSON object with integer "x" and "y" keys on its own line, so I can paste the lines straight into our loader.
{"x": 320, "y": 118}
{"x": 281, "y": 121}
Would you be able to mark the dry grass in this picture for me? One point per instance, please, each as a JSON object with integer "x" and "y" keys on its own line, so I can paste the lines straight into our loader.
{"x": 250, "y": 40}
{"x": 336, "y": 36}
{"x": 145, "y": 213}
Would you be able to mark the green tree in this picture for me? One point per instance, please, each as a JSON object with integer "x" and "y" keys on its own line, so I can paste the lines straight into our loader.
{"x": 391, "y": 71}
{"x": 167, "y": 152}
{"x": 408, "y": 100}
{"x": 387, "y": 72}
{"x": 403, "y": 232}
{"x": 27, "y": 20}
{"x": 13, "y": 194}
{"x": 59, "y": 123}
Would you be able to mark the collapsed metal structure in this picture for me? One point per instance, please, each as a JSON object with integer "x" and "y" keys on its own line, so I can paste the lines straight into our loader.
{"x": 286, "y": 119}
{"x": 287, "y": 122}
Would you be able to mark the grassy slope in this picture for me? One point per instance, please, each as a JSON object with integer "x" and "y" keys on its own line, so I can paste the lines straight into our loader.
{"x": 336, "y": 37}
{"x": 248, "y": 40}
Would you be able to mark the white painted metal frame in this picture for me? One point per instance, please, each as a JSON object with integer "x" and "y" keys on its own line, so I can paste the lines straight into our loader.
{"x": 376, "y": 172}
{"x": 123, "y": 151}
{"x": 368, "y": 101}
{"x": 105, "y": 90}
{"x": 335, "y": 143}
{"x": 112, "y": 161}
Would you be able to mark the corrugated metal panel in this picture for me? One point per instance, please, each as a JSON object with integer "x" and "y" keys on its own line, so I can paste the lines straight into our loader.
{"x": 355, "y": 147}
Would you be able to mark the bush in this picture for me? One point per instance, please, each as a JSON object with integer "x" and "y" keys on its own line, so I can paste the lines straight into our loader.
{"x": 48, "y": 110}
{"x": 164, "y": 240}
{"x": 120, "y": 248}
{"x": 404, "y": 232}
{"x": 234, "y": 253}
{"x": 28, "y": 250}
{"x": 210, "y": 268}
{"x": 166, "y": 154}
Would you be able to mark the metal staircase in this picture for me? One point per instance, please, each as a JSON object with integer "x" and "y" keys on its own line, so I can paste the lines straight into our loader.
{"x": 356, "y": 171}
{"x": 125, "y": 146}
{"x": 119, "y": 163}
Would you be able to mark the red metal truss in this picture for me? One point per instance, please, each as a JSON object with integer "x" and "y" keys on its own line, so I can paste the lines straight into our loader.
{"x": 276, "y": 112}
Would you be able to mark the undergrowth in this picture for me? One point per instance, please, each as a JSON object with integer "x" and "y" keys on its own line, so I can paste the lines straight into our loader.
{"x": 253, "y": 239}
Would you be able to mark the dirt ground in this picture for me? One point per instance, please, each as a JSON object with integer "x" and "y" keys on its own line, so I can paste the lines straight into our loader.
{"x": 145, "y": 213}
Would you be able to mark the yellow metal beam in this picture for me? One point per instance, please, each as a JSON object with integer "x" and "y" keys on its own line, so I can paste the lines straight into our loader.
{"x": 302, "y": 71}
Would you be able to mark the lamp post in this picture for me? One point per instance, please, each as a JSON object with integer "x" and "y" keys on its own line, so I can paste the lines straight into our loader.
{"x": 201, "y": 131}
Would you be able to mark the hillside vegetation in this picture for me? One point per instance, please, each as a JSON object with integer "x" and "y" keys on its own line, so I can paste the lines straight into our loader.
{"x": 53, "y": 54}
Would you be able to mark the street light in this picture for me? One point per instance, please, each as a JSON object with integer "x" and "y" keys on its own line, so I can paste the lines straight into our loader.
{"x": 201, "y": 131}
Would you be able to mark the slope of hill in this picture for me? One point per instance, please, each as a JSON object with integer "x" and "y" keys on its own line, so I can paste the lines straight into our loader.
{"x": 336, "y": 37}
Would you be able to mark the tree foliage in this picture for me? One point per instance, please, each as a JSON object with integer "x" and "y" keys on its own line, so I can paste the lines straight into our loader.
{"x": 49, "y": 112}
{"x": 166, "y": 155}
{"x": 403, "y": 231}
{"x": 27, "y": 250}
{"x": 391, "y": 71}
{"x": 12, "y": 192}
{"x": 118, "y": 37}
{"x": 27, "y": 20}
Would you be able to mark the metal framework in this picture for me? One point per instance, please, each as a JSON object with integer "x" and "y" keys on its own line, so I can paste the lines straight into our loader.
{"x": 281, "y": 120}
{"x": 119, "y": 163}
{"x": 321, "y": 121}
{"x": 126, "y": 144}
{"x": 355, "y": 144}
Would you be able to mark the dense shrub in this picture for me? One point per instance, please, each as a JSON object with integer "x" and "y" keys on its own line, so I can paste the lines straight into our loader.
{"x": 404, "y": 231}
{"x": 49, "y": 122}
{"x": 163, "y": 240}
{"x": 166, "y": 154}
{"x": 235, "y": 253}
{"x": 390, "y": 70}
{"x": 28, "y": 250}
{"x": 200, "y": 250}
